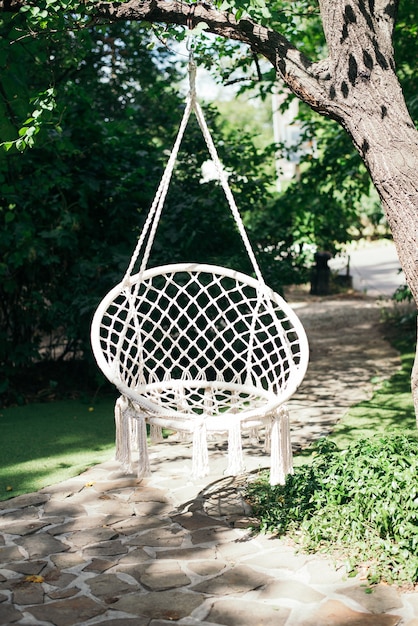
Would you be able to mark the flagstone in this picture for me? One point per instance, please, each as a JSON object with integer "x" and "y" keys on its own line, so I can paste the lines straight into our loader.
{"x": 151, "y": 508}
{"x": 98, "y": 565}
{"x": 134, "y": 557}
{"x": 28, "y": 593}
{"x": 9, "y": 614}
{"x": 18, "y": 515}
{"x": 67, "y": 560}
{"x": 148, "y": 494}
{"x": 9, "y": 554}
{"x": 79, "y": 523}
{"x": 238, "y": 579}
{"x": 216, "y": 534}
{"x": 162, "y": 537}
{"x": 67, "y": 612}
{"x": 207, "y": 568}
{"x": 127, "y": 621}
{"x": 335, "y": 613}
{"x": 29, "y": 568}
{"x": 282, "y": 558}
{"x": 170, "y": 605}
{"x": 108, "y": 486}
{"x": 162, "y": 575}
{"x": 106, "y": 585}
{"x": 187, "y": 554}
{"x": 57, "y": 578}
{"x": 137, "y": 523}
{"x": 41, "y": 544}
{"x": 64, "y": 508}
{"x": 290, "y": 589}
{"x": 21, "y": 502}
{"x": 25, "y": 528}
{"x": 196, "y": 520}
{"x": 83, "y": 538}
{"x": 234, "y": 612}
{"x": 106, "y": 548}
{"x": 60, "y": 594}
{"x": 376, "y": 599}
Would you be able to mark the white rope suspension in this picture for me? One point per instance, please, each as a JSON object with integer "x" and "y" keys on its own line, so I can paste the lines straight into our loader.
{"x": 158, "y": 203}
{"x": 154, "y": 214}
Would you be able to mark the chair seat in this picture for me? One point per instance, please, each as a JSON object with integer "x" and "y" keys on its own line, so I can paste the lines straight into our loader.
{"x": 177, "y": 399}
{"x": 191, "y": 345}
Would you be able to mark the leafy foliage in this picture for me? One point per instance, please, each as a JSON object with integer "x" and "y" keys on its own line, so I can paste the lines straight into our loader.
{"x": 65, "y": 238}
{"x": 97, "y": 162}
{"x": 360, "y": 503}
{"x": 406, "y": 53}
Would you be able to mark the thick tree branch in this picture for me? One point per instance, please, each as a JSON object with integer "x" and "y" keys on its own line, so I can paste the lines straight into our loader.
{"x": 295, "y": 69}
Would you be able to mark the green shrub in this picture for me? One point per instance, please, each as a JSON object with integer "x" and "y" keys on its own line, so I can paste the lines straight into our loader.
{"x": 358, "y": 504}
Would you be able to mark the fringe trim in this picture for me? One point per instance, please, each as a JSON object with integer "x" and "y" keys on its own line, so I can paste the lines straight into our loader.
{"x": 281, "y": 447}
{"x": 123, "y": 434}
{"x": 144, "y": 468}
{"x": 267, "y": 436}
{"x": 156, "y": 434}
{"x": 254, "y": 436}
{"x": 200, "y": 465}
{"x": 235, "y": 456}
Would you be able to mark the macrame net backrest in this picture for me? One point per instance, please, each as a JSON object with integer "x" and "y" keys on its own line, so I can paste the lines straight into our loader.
{"x": 187, "y": 328}
{"x": 199, "y": 348}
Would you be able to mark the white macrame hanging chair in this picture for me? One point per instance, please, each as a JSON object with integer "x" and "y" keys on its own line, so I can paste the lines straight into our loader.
{"x": 199, "y": 349}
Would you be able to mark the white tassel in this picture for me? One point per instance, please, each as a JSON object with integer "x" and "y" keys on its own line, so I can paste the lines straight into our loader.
{"x": 123, "y": 434}
{"x": 134, "y": 428}
{"x": 254, "y": 436}
{"x": 281, "y": 448}
{"x": 144, "y": 468}
{"x": 200, "y": 466}
{"x": 235, "y": 456}
{"x": 156, "y": 434}
{"x": 267, "y": 436}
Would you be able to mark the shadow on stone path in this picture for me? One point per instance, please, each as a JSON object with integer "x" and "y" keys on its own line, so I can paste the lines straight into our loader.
{"x": 104, "y": 548}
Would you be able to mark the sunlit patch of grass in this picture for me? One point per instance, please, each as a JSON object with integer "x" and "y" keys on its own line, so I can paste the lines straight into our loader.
{"x": 391, "y": 407}
{"x": 42, "y": 444}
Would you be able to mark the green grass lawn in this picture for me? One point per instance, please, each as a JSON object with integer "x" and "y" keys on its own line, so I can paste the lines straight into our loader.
{"x": 391, "y": 406}
{"x": 45, "y": 443}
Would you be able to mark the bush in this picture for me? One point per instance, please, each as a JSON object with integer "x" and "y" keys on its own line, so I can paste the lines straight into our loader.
{"x": 359, "y": 504}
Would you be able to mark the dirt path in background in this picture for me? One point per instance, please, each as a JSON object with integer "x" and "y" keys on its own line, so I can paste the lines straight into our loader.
{"x": 347, "y": 351}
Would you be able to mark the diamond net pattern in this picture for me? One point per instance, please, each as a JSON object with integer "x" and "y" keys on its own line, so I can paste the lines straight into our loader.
{"x": 190, "y": 339}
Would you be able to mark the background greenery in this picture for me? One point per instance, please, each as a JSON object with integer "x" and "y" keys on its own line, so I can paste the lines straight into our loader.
{"x": 99, "y": 108}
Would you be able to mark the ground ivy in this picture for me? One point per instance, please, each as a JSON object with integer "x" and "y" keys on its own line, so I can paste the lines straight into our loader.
{"x": 360, "y": 504}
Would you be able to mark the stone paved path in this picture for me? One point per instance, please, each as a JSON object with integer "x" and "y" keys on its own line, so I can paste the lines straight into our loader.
{"x": 104, "y": 548}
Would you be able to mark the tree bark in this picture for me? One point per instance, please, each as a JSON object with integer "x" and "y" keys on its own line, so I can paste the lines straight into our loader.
{"x": 356, "y": 85}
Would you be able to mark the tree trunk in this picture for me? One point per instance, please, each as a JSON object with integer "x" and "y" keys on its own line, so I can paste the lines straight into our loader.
{"x": 368, "y": 102}
{"x": 414, "y": 381}
{"x": 389, "y": 147}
